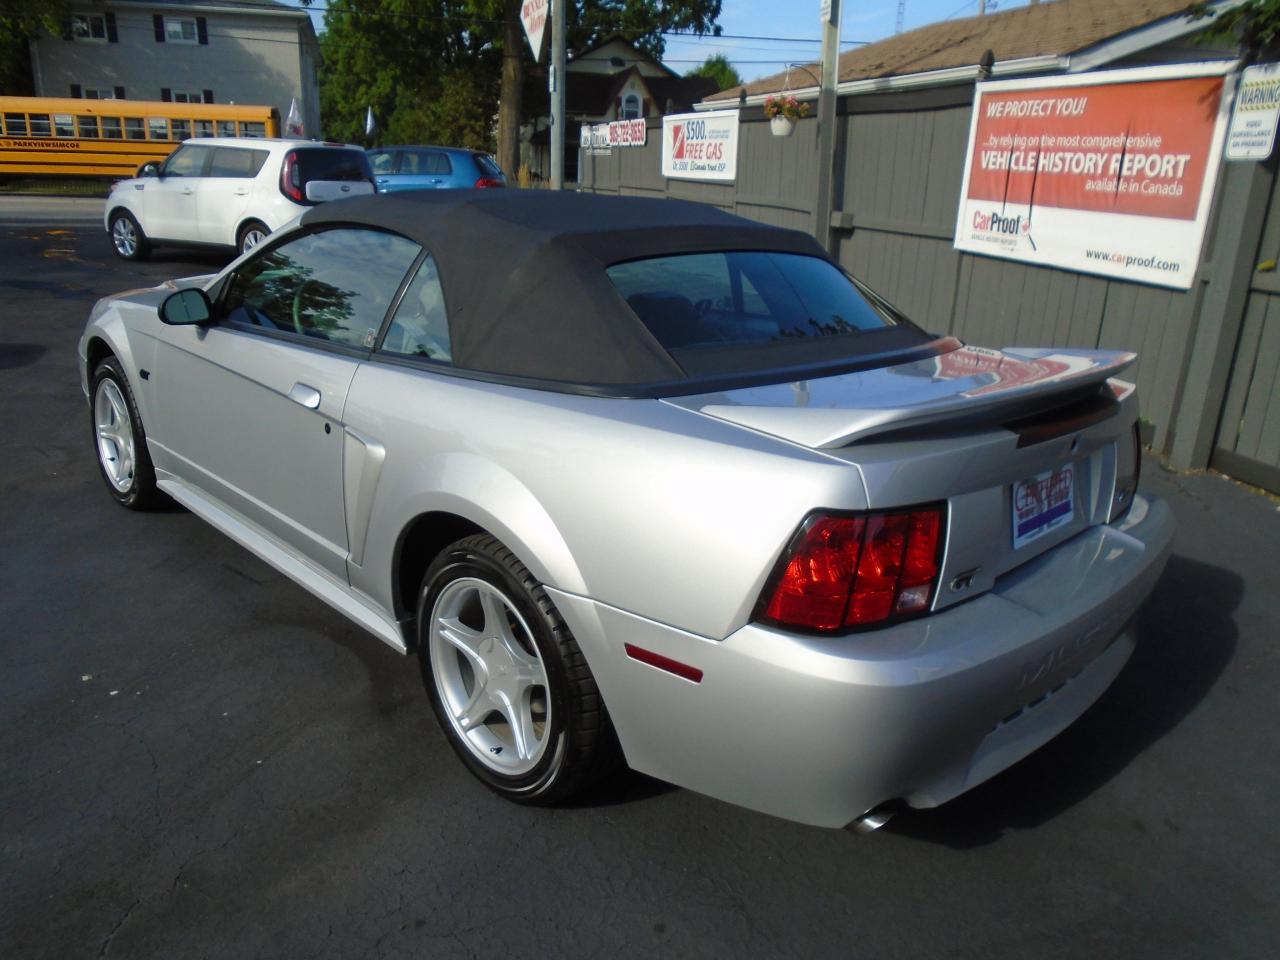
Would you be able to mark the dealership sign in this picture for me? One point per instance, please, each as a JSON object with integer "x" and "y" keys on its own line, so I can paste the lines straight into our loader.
{"x": 1108, "y": 173}
{"x": 533, "y": 14}
{"x": 700, "y": 146}
{"x": 600, "y": 137}
{"x": 1253, "y": 122}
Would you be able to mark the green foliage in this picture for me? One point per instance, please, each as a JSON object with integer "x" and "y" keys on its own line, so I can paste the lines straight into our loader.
{"x": 20, "y": 20}
{"x": 1254, "y": 24}
{"x": 719, "y": 69}
{"x": 430, "y": 68}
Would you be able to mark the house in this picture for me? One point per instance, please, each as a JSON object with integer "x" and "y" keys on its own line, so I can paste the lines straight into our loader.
{"x": 1042, "y": 38}
{"x": 612, "y": 80}
{"x": 186, "y": 51}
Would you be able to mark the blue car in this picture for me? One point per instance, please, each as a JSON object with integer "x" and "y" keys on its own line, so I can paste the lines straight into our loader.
{"x": 433, "y": 168}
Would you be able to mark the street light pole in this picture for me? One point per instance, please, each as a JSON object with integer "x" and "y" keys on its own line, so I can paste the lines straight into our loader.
{"x": 827, "y": 120}
{"x": 557, "y": 93}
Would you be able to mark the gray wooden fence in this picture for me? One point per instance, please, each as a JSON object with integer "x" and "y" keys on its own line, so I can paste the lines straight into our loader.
{"x": 900, "y": 161}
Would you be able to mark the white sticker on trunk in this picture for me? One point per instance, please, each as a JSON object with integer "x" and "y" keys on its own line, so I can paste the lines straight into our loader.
{"x": 1042, "y": 503}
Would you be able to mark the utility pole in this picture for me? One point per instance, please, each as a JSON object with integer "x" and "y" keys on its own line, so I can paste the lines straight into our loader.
{"x": 557, "y": 93}
{"x": 827, "y": 120}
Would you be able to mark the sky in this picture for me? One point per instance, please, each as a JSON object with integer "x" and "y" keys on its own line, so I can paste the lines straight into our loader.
{"x": 797, "y": 21}
{"x": 866, "y": 20}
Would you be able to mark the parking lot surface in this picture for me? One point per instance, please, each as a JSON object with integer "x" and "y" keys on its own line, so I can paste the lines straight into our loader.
{"x": 202, "y": 760}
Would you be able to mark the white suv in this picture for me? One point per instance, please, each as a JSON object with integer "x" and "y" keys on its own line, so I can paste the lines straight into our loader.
{"x": 230, "y": 191}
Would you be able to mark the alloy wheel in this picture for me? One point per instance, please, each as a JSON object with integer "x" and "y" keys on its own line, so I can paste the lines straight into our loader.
{"x": 115, "y": 435}
{"x": 124, "y": 236}
{"x": 490, "y": 676}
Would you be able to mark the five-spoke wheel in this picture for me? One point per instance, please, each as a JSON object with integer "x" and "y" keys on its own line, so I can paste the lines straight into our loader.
{"x": 118, "y": 436}
{"x": 509, "y": 685}
{"x": 489, "y": 675}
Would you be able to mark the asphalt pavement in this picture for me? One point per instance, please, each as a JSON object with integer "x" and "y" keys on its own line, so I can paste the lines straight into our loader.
{"x": 200, "y": 759}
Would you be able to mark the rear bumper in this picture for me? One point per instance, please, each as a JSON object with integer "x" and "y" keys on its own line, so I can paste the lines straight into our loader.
{"x": 822, "y": 730}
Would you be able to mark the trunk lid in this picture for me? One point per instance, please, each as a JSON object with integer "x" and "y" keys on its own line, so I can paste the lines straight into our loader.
{"x": 1023, "y": 445}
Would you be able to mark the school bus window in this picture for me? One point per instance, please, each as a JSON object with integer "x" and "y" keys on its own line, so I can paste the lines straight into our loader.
{"x": 62, "y": 125}
{"x": 87, "y": 127}
{"x": 133, "y": 129}
{"x": 157, "y": 128}
{"x": 40, "y": 126}
{"x": 181, "y": 129}
{"x": 226, "y": 128}
{"x": 204, "y": 128}
{"x": 15, "y": 124}
{"x": 111, "y": 128}
{"x": 248, "y": 129}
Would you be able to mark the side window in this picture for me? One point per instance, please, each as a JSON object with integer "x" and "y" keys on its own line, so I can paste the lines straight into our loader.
{"x": 187, "y": 161}
{"x": 381, "y": 162}
{"x": 334, "y": 285}
{"x": 236, "y": 162}
{"x": 438, "y": 164}
{"x": 420, "y": 327}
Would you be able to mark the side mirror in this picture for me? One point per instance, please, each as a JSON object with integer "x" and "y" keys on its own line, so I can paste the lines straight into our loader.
{"x": 186, "y": 308}
{"x": 149, "y": 169}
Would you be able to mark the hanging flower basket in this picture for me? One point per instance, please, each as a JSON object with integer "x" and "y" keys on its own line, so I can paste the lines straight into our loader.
{"x": 783, "y": 112}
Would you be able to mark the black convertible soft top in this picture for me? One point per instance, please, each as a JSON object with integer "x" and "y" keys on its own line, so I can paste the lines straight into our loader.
{"x": 523, "y": 273}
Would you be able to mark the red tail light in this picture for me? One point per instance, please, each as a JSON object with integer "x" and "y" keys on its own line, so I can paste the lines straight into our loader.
{"x": 485, "y": 183}
{"x": 843, "y": 572}
{"x": 291, "y": 179}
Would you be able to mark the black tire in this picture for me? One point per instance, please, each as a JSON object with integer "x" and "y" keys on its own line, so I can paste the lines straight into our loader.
{"x": 580, "y": 746}
{"x": 140, "y": 492}
{"x": 247, "y": 230}
{"x": 123, "y": 222}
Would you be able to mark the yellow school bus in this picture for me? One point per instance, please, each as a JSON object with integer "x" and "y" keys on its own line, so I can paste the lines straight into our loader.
{"x": 101, "y": 138}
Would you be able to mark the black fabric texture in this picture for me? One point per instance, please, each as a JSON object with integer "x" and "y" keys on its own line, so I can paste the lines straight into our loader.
{"x": 523, "y": 272}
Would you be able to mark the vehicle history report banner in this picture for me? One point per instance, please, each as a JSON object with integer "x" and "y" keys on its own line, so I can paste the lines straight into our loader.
{"x": 1108, "y": 173}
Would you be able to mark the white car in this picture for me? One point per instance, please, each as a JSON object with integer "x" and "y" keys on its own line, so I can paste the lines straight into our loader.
{"x": 230, "y": 192}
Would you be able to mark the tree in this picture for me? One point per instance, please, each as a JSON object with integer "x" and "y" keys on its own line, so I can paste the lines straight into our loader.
{"x": 718, "y": 68}
{"x": 439, "y": 70}
{"x": 1254, "y": 24}
{"x": 20, "y": 22}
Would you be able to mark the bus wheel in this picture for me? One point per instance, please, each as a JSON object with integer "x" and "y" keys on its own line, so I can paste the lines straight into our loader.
{"x": 127, "y": 237}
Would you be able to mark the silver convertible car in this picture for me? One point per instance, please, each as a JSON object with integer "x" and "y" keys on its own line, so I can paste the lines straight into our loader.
{"x": 641, "y": 480}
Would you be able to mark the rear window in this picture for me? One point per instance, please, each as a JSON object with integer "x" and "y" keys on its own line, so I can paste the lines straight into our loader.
{"x": 326, "y": 163}
{"x": 488, "y": 166}
{"x": 705, "y": 306}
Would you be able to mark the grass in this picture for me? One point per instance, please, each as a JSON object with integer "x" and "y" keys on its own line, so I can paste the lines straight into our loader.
{"x": 57, "y": 186}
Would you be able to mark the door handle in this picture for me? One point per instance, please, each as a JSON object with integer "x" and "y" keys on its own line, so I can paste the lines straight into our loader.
{"x": 242, "y": 192}
{"x": 187, "y": 192}
{"x": 382, "y": 179}
{"x": 309, "y": 397}
{"x": 139, "y": 186}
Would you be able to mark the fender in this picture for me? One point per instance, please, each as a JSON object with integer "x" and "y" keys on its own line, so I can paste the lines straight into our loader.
{"x": 476, "y": 489}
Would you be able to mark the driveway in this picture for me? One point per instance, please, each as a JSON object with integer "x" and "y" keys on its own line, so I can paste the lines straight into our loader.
{"x": 202, "y": 760}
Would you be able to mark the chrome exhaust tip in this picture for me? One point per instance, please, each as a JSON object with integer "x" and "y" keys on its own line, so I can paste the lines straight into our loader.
{"x": 873, "y": 819}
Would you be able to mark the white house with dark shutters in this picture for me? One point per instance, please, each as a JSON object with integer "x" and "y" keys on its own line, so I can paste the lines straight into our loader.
{"x": 201, "y": 51}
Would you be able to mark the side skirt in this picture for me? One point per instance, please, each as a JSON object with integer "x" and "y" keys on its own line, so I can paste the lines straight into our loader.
{"x": 337, "y": 595}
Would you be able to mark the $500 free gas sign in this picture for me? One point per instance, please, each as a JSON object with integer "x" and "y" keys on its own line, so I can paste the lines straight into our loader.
{"x": 700, "y": 146}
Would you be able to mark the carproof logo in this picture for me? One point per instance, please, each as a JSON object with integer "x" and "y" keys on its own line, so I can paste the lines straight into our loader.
{"x": 993, "y": 222}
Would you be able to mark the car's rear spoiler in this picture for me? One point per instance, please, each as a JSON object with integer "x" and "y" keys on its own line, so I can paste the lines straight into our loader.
{"x": 969, "y": 386}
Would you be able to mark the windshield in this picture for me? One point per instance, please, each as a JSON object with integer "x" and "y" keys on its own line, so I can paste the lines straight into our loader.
{"x": 701, "y": 306}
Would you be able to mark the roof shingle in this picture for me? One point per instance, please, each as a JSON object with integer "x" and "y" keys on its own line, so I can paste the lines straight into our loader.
{"x": 1044, "y": 29}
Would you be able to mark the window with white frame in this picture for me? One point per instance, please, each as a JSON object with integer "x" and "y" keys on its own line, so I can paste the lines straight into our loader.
{"x": 89, "y": 26}
{"x": 97, "y": 93}
{"x": 181, "y": 96}
{"x": 180, "y": 30}
{"x": 631, "y": 107}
